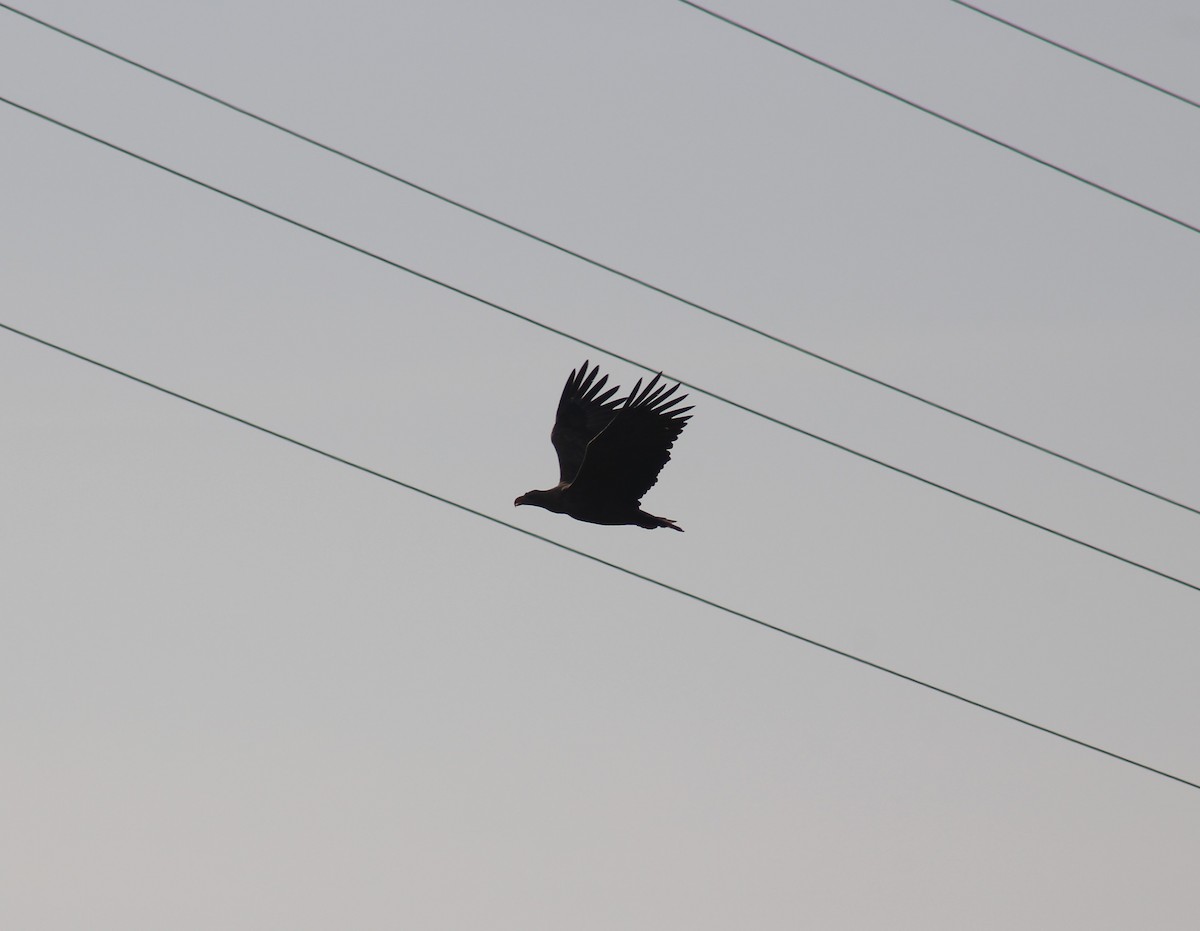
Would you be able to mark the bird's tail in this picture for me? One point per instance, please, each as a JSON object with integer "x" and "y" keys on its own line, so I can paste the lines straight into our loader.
{"x": 650, "y": 522}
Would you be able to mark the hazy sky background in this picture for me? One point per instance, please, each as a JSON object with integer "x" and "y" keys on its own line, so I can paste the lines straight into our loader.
{"x": 245, "y": 687}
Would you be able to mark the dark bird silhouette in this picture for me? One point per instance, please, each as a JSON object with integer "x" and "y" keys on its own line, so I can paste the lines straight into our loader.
{"x": 610, "y": 452}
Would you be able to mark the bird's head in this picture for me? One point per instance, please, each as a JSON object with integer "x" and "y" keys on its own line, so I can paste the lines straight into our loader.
{"x": 541, "y": 499}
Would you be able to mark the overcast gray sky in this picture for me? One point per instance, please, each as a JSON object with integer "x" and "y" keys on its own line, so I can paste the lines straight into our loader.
{"x": 245, "y": 687}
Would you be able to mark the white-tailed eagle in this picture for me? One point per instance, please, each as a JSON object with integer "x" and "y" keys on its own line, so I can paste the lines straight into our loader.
{"x": 610, "y": 452}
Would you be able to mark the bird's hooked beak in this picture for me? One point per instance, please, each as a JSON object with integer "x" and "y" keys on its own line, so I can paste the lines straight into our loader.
{"x": 520, "y": 500}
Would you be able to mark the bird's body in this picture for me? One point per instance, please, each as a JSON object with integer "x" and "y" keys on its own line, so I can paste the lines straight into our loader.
{"x": 610, "y": 452}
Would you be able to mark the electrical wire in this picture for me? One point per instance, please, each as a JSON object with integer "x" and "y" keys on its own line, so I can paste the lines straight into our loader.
{"x": 604, "y": 267}
{"x": 1078, "y": 54}
{"x": 929, "y": 111}
{"x": 604, "y": 562}
{"x": 608, "y": 352}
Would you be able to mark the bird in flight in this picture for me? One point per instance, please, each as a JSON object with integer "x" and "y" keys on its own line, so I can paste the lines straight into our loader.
{"x": 610, "y": 452}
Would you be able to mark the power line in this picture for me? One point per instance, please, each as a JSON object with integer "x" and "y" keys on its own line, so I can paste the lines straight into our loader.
{"x": 1078, "y": 54}
{"x": 940, "y": 116}
{"x": 604, "y": 267}
{"x": 604, "y": 562}
{"x": 608, "y": 352}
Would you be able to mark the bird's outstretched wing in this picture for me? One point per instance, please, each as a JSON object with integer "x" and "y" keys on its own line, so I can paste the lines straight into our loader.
{"x": 583, "y": 411}
{"x": 623, "y": 462}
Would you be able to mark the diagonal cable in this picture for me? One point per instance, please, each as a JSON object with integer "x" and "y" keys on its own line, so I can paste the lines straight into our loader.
{"x": 929, "y": 111}
{"x": 608, "y": 352}
{"x": 596, "y": 559}
{"x": 600, "y": 265}
{"x": 1078, "y": 54}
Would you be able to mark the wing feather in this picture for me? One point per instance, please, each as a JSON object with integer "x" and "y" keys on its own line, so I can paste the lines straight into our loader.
{"x": 623, "y": 461}
{"x": 584, "y": 410}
